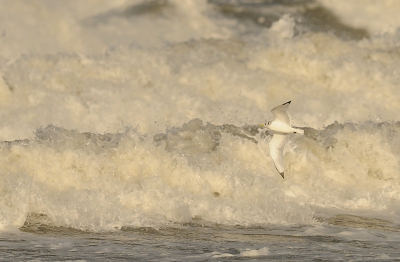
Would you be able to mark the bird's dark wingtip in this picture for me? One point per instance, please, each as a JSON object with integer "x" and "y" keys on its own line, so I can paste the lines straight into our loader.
{"x": 281, "y": 173}
{"x": 287, "y": 102}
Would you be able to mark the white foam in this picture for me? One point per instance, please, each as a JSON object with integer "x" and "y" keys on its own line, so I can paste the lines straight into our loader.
{"x": 246, "y": 253}
{"x": 255, "y": 253}
{"x": 375, "y": 16}
{"x": 95, "y": 68}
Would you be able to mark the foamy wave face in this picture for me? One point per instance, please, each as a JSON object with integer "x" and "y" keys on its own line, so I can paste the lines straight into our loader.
{"x": 159, "y": 64}
{"x": 195, "y": 174}
{"x": 192, "y": 173}
{"x": 347, "y": 166}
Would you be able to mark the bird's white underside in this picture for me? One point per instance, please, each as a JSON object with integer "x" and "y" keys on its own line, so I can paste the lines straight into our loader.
{"x": 281, "y": 128}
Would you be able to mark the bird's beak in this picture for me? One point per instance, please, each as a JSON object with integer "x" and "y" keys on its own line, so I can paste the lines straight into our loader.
{"x": 262, "y": 125}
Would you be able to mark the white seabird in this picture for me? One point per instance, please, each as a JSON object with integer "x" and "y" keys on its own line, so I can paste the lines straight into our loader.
{"x": 281, "y": 128}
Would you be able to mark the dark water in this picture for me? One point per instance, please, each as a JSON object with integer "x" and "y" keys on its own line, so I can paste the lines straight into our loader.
{"x": 308, "y": 14}
{"x": 352, "y": 238}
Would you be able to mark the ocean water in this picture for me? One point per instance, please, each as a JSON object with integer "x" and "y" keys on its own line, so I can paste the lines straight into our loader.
{"x": 130, "y": 130}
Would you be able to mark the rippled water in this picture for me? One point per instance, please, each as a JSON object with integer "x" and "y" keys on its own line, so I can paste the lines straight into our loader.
{"x": 348, "y": 239}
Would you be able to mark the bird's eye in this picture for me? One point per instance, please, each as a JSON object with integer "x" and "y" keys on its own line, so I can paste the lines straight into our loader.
{"x": 269, "y": 122}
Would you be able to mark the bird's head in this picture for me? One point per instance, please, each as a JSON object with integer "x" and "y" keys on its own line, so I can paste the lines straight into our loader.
{"x": 266, "y": 124}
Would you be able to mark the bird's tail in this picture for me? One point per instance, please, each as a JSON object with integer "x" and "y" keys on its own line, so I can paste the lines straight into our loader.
{"x": 299, "y": 131}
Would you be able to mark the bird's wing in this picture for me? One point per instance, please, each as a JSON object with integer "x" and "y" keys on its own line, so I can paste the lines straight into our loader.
{"x": 280, "y": 113}
{"x": 276, "y": 146}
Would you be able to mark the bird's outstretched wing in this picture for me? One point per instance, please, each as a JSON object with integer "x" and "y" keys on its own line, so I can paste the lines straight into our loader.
{"x": 276, "y": 146}
{"x": 280, "y": 113}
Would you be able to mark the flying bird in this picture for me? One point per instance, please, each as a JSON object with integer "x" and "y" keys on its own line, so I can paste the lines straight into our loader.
{"x": 281, "y": 128}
